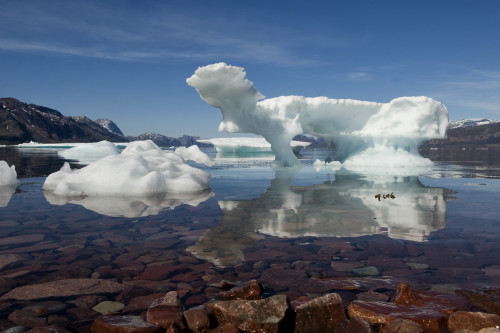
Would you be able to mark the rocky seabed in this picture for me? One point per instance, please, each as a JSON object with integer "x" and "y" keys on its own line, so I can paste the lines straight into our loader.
{"x": 100, "y": 306}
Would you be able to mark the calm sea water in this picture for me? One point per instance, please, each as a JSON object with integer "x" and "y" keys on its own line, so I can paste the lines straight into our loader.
{"x": 293, "y": 229}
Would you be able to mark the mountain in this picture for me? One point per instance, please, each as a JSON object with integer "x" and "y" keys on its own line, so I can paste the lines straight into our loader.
{"x": 469, "y": 133}
{"x": 110, "y": 126}
{"x": 167, "y": 141}
{"x": 21, "y": 122}
{"x": 471, "y": 122}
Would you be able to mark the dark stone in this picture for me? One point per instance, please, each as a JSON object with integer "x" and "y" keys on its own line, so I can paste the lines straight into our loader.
{"x": 197, "y": 318}
{"x": 250, "y": 290}
{"x": 319, "y": 315}
{"x": 402, "y": 326}
{"x": 383, "y": 313}
{"x": 24, "y": 318}
{"x": 123, "y": 324}
{"x": 358, "y": 325}
{"x": 486, "y": 299}
{"x": 472, "y": 320}
{"x": 64, "y": 288}
{"x": 264, "y": 315}
{"x": 166, "y": 312}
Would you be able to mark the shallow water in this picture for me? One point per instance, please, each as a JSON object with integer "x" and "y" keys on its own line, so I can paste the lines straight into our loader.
{"x": 299, "y": 231}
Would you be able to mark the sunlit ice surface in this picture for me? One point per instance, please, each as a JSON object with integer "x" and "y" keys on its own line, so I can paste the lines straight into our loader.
{"x": 368, "y": 135}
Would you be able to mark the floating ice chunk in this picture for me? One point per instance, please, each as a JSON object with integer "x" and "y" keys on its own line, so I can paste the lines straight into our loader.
{"x": 86, "y": 153}
{"x": 142, "y": 168}
{"x": 8, "y": 175}
{"x": 8, "y": 182}
{"x": 193, "y": 153}
{"x": 354, "y": 126}
{"x": 247, "y": 145}
{"x": 335, "y": 165}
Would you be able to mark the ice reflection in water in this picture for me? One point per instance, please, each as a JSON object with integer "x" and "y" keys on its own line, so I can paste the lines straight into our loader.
{"x": 345, "y": 207}
{"x": 131, "y": 206}
{"x": 6, "y": 193}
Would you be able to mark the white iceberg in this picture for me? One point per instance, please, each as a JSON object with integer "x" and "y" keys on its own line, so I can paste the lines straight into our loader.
{"x": 193, "y": 153}
{"x": 8, "y": 182}
{"x": 247, "y": 145}
{"x": 8, "y": 175}
{"x": 361, "y": 130}
{"x": 141, "y": 169}
{"x": 86, "y": 153}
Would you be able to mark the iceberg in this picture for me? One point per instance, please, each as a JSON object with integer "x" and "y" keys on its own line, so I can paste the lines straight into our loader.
{"x": 8, "y": 182}
{"x": 140, "y": 169}
{"x": 247, "y": 145}
{"x": 86, "y": 153}
{"x": 362, "y": 131}
{"x": 8, "y": 175}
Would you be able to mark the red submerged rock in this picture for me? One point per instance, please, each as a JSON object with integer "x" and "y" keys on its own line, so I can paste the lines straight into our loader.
{"x": 64, "y": 288}
{"x": 319, "y": 315}
{"x": 78, "y": 314}
{"x": 250, "y": 290}
{"x": 444, "y": 303}
{"x": 140, "y": 303}
{"x": 488, "y": 299}
{"x": 406, "y": 296}
{"x": 264, "y": 315}
{"x": 472, "y": 320}
{"x": 123, "y": 324}
{"x": 358, "y": 325}
{"x": 402, "y": 326}
{"x": 25, "y": 318}
{"x": 197, "y": 318}
{"x": 166, "y": 312}
{"x": 161, "y": 272}
{"x": 385, "y": 313}
{"x": 226, "y": 328}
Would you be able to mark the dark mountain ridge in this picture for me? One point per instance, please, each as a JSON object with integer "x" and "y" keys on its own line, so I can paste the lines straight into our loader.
{"x": 21, "y": 122}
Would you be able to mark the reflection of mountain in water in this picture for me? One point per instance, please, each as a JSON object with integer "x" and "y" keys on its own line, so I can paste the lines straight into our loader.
{"x": 131, "y": 206}
{"x": 346, "y": 207}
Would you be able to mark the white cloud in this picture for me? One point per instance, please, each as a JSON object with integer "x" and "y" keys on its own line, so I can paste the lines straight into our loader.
{"x": 359, "y": 76}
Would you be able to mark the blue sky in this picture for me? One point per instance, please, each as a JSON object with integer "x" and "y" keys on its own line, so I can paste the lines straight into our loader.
{"x": 128, "y": 60}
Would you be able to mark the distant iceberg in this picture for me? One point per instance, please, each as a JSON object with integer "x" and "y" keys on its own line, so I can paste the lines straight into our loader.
{"x": 247, "y": 145}
{"x": 362, "y": 131}
{"x": 140, "y": 169}
{"x": 86, "y": 153}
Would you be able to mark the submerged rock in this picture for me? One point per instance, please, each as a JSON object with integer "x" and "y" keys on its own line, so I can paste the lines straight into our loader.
{"x": 320, "y": 314}
{"x": 64, "y": 288}
{"x": 265, "y": 315}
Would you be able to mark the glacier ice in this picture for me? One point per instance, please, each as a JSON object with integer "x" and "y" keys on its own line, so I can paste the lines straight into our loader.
{"x": 246, "y": 145}
{"x": 8, "y": 182}
{"x": 362, "y": 131}
{"x": 8, "y": 175}
{"x": 140, "y": 169}
{"x": 86, "y": 153}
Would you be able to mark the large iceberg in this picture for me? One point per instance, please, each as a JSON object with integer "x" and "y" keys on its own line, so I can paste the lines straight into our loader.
{"x": 364, "y": 132}
{"x": 140, "y": 169}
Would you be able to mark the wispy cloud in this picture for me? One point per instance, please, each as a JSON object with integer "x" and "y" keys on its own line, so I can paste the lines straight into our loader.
{"x": 471, "y": 91}
{"x": 359, "y": 76}
{"x": 98, "y": 32}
